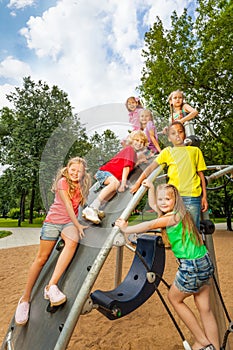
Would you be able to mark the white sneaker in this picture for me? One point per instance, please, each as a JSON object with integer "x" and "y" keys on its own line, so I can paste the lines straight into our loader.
{"x": 91, "y": 214}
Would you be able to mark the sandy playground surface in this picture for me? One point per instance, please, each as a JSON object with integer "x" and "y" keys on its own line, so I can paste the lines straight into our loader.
{"x": 147, "y": 328}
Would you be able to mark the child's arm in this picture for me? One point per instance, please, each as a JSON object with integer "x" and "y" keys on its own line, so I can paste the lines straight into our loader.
{"x": 192, "y": 113}
{"x": 145, "y": 226}
{"x": 143, "y": 176}
{"x": 125, "y": 174}
{"x": 153, "y": 139}
{"x": 151, "y": 193}
{"x": 70, "y": 210}
{"x": 204, "y": 203}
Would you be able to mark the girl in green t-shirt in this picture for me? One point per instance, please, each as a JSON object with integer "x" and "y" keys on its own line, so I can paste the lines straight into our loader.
{"x": 195, "y": 267}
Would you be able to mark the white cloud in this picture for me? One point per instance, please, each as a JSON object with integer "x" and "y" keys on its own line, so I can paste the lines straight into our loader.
{"x": 14, "y": 69}
{"x": 19, "y": 4}
{"x": 90, "y": 49}
{"x": 5, "y": 89}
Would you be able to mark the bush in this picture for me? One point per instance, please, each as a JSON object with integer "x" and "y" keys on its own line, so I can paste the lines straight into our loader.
{"x": 14, "y": 213}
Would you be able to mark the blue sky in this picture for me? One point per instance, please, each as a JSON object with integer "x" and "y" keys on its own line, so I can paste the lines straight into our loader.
{"x": 90, "y": 49}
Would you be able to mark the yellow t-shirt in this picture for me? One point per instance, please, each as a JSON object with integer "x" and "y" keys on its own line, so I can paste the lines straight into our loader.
{"x": 183, "y": 164}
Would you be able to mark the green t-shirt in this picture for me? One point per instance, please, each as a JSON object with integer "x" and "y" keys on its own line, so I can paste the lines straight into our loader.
{"x": 188, "y": 249}
{"x": 183, "y": 164}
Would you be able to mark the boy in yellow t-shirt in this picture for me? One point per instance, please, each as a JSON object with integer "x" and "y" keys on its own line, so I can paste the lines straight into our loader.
{"x": 185, "y": 171}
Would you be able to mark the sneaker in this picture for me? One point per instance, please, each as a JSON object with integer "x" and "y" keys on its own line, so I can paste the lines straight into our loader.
{"x": 91, "y": 214}
{"x": 22, "y": 313}
{"x": 55, "y": 296}
{"x": 208, "y": 347}
{"x": 101, "y": 214}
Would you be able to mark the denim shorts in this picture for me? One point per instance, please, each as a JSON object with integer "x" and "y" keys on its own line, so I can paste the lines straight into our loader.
{"x": 193, "y": 274}
{"x": 51, "y": 232}
{"x": 193, "y": 205}
{"x": 101, "y": 176}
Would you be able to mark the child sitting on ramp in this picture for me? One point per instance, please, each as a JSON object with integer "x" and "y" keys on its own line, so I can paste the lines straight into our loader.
{"x": 71, "y": 189}
{"x": 113, "y": 175}
{"x": 195, "y": 266}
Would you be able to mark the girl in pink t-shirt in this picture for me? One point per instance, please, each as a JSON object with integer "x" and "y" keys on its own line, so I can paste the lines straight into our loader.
{"x": 71, "y": 189}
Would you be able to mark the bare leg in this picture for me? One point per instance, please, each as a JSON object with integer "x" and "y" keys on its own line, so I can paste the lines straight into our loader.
{"x": 176, "y": 298}
{"x": 112, "y": 184}
{"x": 63, "y": 260}
{"x": 202, "y": 301}
{"x": 36, "y": 267}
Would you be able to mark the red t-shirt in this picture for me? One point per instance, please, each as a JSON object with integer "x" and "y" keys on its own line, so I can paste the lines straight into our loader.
{"x": 57, "y": 212}
{"x": 125, "y": 158}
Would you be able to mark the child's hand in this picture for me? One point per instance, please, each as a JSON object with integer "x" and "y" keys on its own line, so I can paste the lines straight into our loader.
{"x": 204, "y": 204}
{"x": 80, "y": 230}
{"x": 135, "y": 187}
{"x": 122, "y": 224}
{"x": 122, "y": 187}
{"x": 147, "y": 183}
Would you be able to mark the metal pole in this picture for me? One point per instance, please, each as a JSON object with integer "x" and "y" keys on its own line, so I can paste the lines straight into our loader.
{"x": 85, "y": 290}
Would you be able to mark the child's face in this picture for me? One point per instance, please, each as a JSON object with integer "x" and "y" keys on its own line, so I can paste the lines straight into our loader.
{"x": 165, "y": 200}
{"x": 131, "y": 104}
{"x": 76, "y": 172}
{"x": 176, "y": 135}
{"x": 137, "y": 144}
{"x": 145, "y": 116}
{"x": 176, "y": 99}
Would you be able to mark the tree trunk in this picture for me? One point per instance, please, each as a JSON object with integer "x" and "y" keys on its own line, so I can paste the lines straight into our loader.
{"x": 32, "y": 204}
{"x": 22, "y": 208}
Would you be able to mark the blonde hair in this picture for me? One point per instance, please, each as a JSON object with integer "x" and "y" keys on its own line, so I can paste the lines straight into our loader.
{"x": 137, "y": 134}
{"x": 136, "y": 99}
{"x": 150, "y": 113}
{"x": 84, "y": 182}
{"x": 170, "y": 99}
{"x": 181, "y": 214}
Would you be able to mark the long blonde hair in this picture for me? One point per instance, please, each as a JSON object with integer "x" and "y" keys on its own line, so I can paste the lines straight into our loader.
{"x": 84, "y": 182}
{"x": 170, "y": 101}
{"x": 180, "y": 213}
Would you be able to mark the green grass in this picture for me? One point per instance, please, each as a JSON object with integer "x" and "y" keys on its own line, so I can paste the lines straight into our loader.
{"x": 4, "y": 233}
{"x": 14, "y": 223}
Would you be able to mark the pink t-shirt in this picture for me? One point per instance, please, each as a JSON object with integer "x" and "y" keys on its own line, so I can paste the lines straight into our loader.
{"x": 125, "y": 158}
{"x": 134, "y": 119}
{"x": 57, "y": 212}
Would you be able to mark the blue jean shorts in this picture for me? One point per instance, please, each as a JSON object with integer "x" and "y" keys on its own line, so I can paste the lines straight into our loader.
{"x": 193, "y": 274}
{"x": 51, "y": 232}
{"x": 101, "y": 176}
{"x": 193, "y": 205}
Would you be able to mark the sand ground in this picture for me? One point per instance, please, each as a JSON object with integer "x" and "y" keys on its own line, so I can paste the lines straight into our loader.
{"x": 147, "y": 328}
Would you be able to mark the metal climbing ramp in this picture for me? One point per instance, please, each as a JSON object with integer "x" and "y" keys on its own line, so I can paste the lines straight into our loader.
{"x": 51, "y": 329}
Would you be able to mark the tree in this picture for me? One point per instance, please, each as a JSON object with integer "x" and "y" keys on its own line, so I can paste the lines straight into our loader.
{"x": 38, "y": 111}
{"x": 195, "y": 56}
{"x": 103, "y": 148}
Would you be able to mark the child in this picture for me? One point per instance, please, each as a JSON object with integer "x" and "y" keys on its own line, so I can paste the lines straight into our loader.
{"x": 113, "y": 175}
{"x": 185, "y": 171}
{"x": 71, "y": 188}
{"x": 133, "y": 104}
{"x": 179, "y": 110}
{"x": 147, "y": 125}
{"x": 195, "y": 267}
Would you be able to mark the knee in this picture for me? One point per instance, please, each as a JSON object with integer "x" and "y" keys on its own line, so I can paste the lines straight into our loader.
{"x": 41, "y": 259}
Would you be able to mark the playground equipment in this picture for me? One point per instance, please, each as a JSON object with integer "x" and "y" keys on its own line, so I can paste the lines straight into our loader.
{"x": 55, "y": 325}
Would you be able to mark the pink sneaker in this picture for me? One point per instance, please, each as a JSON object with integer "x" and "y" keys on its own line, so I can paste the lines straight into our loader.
{"x": 55, "y": 296}
{"x": 22, "y": 313}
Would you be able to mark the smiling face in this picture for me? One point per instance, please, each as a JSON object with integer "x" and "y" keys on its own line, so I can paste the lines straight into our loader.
{"x": 145, "y": 116}
{"x": 138, "y": 143}
{"x": 76, "y": 172}
{"x": 176, "y": 134}
{"x": 131, "y": 104}
{"x": 165, "y": 200}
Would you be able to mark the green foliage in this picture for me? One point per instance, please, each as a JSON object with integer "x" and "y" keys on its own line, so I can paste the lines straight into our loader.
{"x": 103, "y": 148}
{"x": 4, "y": 233}
{"x": 195, "y": 55}
{"x": 39, "y": 112}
